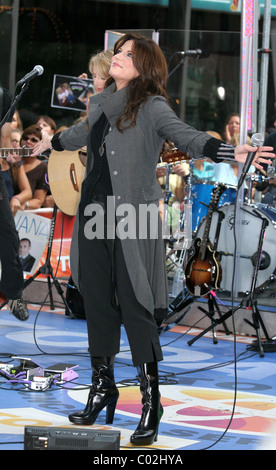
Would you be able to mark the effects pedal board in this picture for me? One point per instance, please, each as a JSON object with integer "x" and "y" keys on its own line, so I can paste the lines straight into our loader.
{"x": 35, "y": 377}
{"x": 62, "y": 372}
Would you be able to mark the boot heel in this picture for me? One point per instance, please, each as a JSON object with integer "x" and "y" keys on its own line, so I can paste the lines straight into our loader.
{"x": 110, "y": 411}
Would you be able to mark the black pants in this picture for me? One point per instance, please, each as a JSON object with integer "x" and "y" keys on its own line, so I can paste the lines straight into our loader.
{"x": 103, "y": 273}
{"x": 11, "y": 280}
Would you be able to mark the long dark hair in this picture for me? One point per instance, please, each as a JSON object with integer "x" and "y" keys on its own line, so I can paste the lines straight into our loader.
{"x": 151, "y": 65}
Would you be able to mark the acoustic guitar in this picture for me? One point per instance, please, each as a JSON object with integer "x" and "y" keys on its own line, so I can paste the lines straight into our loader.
{"x": 66, "y": 172}
{"x": 203, "y": 270}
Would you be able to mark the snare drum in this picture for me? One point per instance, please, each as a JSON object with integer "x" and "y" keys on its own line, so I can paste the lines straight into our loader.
{"x": 248, "y": 245}
{"x": 201, "y": 197}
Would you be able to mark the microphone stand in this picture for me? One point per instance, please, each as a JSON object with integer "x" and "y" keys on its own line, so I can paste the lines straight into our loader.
{"x": 48, "y": 270}
{"x": 250, "y": 302}
{"x": 14, "y": 103}
{"x": 181, "y": 62}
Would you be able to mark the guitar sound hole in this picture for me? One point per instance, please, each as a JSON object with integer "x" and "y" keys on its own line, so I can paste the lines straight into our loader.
{"x": 83, "y": 157}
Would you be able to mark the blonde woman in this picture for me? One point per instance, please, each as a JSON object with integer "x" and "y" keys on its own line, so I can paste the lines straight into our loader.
{"x": 99, "y": 65}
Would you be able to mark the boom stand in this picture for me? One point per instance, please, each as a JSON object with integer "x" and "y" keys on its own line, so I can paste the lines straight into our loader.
{"x": 48, "y": 270}
{"x": 248, "y": 302}
{"x": 185, "y": 299}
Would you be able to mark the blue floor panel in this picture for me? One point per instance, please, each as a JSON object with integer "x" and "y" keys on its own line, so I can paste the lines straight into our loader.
{"x": 197, "y": 385}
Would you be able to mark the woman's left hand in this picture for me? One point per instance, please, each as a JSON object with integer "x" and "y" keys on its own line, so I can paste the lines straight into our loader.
{"x": 42, "y": 145}
{"x": 263, "y": 155}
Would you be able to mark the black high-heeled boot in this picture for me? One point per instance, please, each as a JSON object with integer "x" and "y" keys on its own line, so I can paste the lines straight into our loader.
{"x": 103, "y": 393}
{"x": 147, "y": 430}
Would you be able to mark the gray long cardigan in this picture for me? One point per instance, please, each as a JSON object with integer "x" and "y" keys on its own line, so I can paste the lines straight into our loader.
{"x": 132, "y": 158}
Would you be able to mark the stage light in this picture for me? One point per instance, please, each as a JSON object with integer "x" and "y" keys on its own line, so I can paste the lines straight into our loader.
{"x": 221, "y": 93}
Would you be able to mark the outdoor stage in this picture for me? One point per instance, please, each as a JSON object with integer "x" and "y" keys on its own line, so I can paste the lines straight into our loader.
{"x": 197, "y": 386}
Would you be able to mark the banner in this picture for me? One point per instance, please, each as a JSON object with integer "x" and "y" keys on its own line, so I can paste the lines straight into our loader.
{"x": 33, "y": 233}
{"x": 34, "y": 229}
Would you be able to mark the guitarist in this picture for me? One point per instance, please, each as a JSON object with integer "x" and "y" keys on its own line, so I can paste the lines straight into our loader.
{"x": 11, "y": 272}
{"x": 17, "y": 184}
{"x": 15, "y": 178}
{"x": 5, "y": 132}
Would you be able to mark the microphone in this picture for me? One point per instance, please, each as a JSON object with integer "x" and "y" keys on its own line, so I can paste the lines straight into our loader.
{"x": 38, "y": 70}
{"x": 196, "y": 54}
{"x": 257, "y": 140}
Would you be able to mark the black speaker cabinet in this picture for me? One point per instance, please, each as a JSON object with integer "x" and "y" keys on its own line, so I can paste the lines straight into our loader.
{"x": 47, "y": 438}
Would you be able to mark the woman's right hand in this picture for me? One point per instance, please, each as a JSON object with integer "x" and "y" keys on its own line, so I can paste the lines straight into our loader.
{"x": 83, "y": 76}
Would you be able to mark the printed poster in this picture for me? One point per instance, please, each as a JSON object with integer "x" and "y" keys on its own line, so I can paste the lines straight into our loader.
{"x": 34, "y": 232}
{"x": 71, "y": 92}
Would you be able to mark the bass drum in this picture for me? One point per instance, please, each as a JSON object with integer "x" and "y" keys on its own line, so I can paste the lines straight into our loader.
{"x": 248, "y": 244}
{"x": 201, "y": 197}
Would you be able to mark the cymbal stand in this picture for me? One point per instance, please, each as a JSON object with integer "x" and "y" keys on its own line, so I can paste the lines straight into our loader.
{"x": 249, "y": 302}
{"x": 179, "y": 239}
{"x": 167, "y": 195}
{"x": 166, "y": 218}
{"x": 48, "y": 270}
{"x": 184, "y": 298}
{"x": 250, "y": 180}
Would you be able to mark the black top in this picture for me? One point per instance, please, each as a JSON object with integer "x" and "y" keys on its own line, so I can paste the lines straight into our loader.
{"x": 98, "y": 182}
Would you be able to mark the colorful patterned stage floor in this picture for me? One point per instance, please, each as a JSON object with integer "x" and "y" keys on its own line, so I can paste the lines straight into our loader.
{"x": 198, "y": 386}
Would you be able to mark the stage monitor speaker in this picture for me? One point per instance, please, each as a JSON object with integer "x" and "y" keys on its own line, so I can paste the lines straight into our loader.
{"x": 47, "y": 438}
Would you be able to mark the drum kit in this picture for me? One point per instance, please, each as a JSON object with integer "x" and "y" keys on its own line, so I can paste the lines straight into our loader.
{"x": 213, "y": 225}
